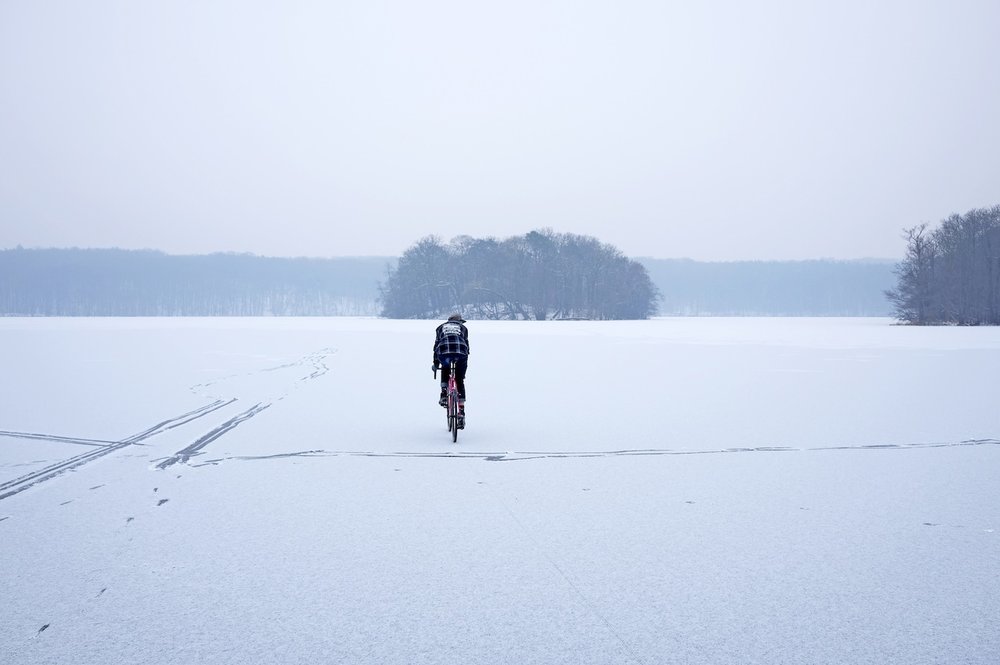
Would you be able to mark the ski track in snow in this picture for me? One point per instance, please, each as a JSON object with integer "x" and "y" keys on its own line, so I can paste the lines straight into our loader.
{"x": 314, "y": 362}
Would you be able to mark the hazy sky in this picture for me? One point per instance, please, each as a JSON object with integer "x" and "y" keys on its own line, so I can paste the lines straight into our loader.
{"x": 710, "y": 130}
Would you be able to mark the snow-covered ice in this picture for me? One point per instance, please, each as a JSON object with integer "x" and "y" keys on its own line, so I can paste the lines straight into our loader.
{"x": 678, "y": 490}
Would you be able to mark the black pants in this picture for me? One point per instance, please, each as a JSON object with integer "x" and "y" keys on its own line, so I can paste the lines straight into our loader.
{"x": 461, "y": 364}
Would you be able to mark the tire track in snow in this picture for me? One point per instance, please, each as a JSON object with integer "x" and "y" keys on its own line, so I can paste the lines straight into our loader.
{"x": 56, "y": 438}
{"x": 12, "y": 487}
{"x": 195, "y": 448}
{"x": 517, "y": 456}
{"x": 316, "y": 362}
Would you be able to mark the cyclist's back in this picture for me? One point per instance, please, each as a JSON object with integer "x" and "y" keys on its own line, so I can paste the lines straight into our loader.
{"x": 451, "y": 344}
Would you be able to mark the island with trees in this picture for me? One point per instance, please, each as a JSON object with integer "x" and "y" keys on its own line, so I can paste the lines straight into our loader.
{"x": 951, "y": 274}
{"x": 541, "y": 275}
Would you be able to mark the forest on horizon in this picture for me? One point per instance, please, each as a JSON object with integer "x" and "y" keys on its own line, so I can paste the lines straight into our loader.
{"x": 118, "y": 282}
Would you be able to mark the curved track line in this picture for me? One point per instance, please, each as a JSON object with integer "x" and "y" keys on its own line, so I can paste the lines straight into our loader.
{"x": 315, "y": 361}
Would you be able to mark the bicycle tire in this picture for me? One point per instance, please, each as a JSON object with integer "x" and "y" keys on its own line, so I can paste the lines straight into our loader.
{"x": 452, "y": 403}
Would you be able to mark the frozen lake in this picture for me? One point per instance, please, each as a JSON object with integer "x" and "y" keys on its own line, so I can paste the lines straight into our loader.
{"x": 680, "y": 490}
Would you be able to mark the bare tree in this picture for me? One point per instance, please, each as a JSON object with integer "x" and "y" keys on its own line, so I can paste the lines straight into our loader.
{"x": 912, "y": 297}
{"x": 541, "y": 275}
{"x": 951, "y": 275}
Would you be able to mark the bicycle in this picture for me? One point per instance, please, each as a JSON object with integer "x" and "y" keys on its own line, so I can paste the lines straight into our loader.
{"x": 455, "y": 414}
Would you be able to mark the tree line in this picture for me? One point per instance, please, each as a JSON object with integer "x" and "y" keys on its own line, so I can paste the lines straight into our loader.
{"x": 539, "y": 276}
{"x": 116, "y": 282}
{"x": 951, "y": 274}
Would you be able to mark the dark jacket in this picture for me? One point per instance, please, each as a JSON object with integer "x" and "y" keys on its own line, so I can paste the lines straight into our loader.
{"x": 451, "y": 339}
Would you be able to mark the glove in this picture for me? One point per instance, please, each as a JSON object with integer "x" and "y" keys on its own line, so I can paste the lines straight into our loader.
{"x": 435, "y": 366}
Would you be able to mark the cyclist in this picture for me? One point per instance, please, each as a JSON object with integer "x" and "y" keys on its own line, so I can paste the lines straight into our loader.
{"x": 451, "y": 342}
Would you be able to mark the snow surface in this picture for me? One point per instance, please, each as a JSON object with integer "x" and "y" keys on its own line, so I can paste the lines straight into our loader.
{"x": 677, "y": 490}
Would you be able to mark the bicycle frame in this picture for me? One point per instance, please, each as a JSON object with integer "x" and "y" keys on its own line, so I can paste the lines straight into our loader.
{"x": 454, "y": 410}
{"x": 453, "y": 401}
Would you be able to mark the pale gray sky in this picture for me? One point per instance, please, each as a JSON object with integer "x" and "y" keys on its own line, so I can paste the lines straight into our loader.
{"x": 711, "y": 130}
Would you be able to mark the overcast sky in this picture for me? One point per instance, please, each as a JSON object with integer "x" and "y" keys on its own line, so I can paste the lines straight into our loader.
{"x": 710, "y": 130}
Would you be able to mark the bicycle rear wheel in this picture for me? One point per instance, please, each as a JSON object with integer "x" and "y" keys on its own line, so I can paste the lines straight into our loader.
{"x": 453, "y": 416}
